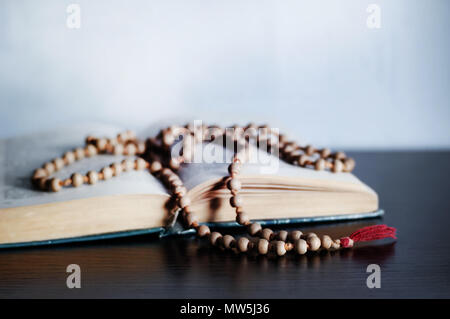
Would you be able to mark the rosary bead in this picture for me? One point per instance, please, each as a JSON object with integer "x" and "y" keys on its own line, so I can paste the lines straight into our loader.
{"x": 118, "y": 149}
{"x": 39, "y": 173}
{"x": 314, "y": 243}
{"x": 234, "y": 169}
{"x": 213, "y": 237}
{"x": 242, "y": 218}
{"x": 77, "y": 179}
{"x": 155, "y": 167}
{"x": 263, "y": 246}
{"x": 339, "y": 155}
{"x": 301, "y": 246}
{"x": 243, "y": 244}
{"x": 174, "y": 164}
{"x": 326, "y": 241}
{"x": 130, "y": 149}
{"x": 236, "y": 201}
{"x": 254, "y": 229}
{"x": 325, "y": 153}
{"x": 58, "y": 163}
{"x": 336, "y": 244}
{"x": 117, "y": 169}
{"x": 203, "y": 231}
{"x": 338, "y": 166}
{"x": 91, "y": 150}
{"x": 101, "y": 144}
{"x": 168, "y": 139}
{"x": 302, "y": 160}
{"x": 280, "y": 247}
{"x": 320, "y": 164}
{"x": 140, "y": 164}
{"x": 55, "y": 184}
{"x": 141, "y": 148}
{"x": 267, "y": 233}
{"x": 190, "y": 219}
{"x": 49, "y": 168}
{"x": 295, "y": 235}
{"x": 180, "y": 191}
{"x": 69, "y": 157}
{"x": 228, "y": 241}
{"x": 184, "y": 201}
{"x": 349, "y": 164}
{"x": 127, "y": 165}
{"x": 309, "y": 150}
{"x": 79, "y": 153}
{"x": 42, "y": 183}
{"x": 309, "y": 235}
{"x": 234, "y": 184}
{"x": 92, "y": 177}
{"x": 282, "y": 235}
{"x": 107, "y": 172}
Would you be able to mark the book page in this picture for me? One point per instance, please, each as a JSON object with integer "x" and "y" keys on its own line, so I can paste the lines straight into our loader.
{"x": 261, "y": 163}
{"x": 20, "y": 156}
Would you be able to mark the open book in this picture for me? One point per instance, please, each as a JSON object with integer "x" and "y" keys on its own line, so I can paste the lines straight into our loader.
{"x": 136, "y": 202}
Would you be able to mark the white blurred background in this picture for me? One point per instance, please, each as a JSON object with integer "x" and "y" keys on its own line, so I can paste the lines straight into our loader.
{"x": 311, "y": 68}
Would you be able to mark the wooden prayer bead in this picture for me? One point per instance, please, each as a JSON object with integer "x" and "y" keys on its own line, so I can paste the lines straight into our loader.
{"x": 234, "y": 184}
{"x": 282, "y": 235}
{"x": 90, "y": 150}
{"x": 349, "y": 164}
{"x": 267, "y": 233}
{"x": 338, "y": 166}
{"x": 280, "y": 248}
{"x": 155, "y": 167}
{"x": 213, "y": 237}
{"x": 313, "y": 242}
{"x": 92, "y": 177}
{"x": 107, "y": 172}
{"x": 39, "y": 173}
{"x": 203, "y": 231}
{"x": 242, "y": 219}
{"x": 79, "y": 153}
{"x": 320, "y": 164}
{"x": 228, "y": 241}
{"x": 58, "y": 163}
{"x": 118, "y": 149}
{"x": 49, "y": 168}
{"x": 295, "y": 235}
{"x": 254, "y": 229}
{"x": 324, "y": 153}
{"x": 309, "y": 150}
{"x": 101, "y": 144}
{"x": 69, "y": 157}
{"x": 301, "y": 246}
{"x": 77, "y": 179}
{"x": 127, "y": 165}
{"x": 190, "y": 219}
{"x": 326, "y": 241}
{"x": 140, "y": 164}
{"x": 130, "y": 149}
{"x": 243, "y": 244}
{"x": 184, "y": 201}
{"x": 55, "y": 184}
{"x": 117, "y": 168}
{"x": 263, "y": 246}
{"x": 236, "y": 201}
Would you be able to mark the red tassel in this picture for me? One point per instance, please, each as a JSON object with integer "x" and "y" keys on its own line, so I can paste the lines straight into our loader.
{"x": 369, "y": 233}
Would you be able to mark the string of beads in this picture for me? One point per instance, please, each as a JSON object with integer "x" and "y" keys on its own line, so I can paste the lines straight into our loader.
{"x": 155, "y": 155}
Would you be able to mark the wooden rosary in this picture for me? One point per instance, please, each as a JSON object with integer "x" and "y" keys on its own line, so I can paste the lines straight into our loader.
{"x": 155, "y": 155}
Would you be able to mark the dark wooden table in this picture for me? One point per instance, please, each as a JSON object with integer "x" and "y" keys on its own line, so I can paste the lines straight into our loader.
{"x": 413, "y": 189}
